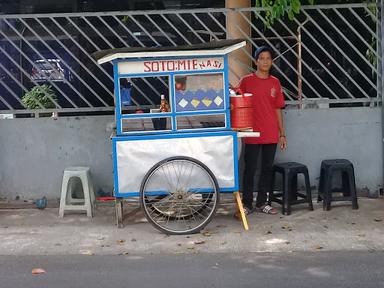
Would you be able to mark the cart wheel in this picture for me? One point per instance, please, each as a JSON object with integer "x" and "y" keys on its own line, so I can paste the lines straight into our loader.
{"x": 179, "y": 195}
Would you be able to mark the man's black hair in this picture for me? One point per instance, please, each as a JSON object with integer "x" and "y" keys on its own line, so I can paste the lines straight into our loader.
{"x": 262, "y": 49}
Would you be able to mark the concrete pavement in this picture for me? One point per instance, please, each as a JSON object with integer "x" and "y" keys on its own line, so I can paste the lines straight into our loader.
{"x": 42, "y": 232}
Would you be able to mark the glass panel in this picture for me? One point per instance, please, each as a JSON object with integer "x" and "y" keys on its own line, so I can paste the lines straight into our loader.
{"x": 146, "y": 124}
{"x": 143, "y": 94}
{"x": 200, "y": 121}
{"x": 199, "y": 92}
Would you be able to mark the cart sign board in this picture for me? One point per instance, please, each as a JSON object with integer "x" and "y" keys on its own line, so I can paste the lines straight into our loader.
{"x": 171, "y": 65}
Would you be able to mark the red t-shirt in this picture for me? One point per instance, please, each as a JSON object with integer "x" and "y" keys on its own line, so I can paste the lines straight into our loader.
{"x": 267, "y": 97}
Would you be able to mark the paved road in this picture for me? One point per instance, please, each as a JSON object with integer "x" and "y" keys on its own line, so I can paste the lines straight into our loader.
{"x": 293, "y": 270}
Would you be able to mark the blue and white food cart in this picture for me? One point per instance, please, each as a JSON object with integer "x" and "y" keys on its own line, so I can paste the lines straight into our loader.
{"x": 178, "y": 161}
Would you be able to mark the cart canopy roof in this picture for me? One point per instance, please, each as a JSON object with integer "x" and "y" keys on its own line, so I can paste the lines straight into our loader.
{"x": 204, "y": 49}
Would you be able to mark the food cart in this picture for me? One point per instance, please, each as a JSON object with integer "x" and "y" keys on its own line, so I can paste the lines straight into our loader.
{"x": 175, "y": 149}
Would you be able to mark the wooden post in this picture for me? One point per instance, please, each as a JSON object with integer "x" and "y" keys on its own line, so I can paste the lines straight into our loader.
{"x": 237, "y": 26}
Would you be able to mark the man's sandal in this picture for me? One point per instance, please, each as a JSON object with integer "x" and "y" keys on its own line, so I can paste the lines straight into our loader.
{"x": 267, "y": 209}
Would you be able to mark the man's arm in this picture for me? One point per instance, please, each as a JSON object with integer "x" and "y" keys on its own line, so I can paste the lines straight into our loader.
{"x": 282, "y": 136}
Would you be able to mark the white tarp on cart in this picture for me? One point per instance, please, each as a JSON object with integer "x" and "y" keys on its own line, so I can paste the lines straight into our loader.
{"x": 136, "y": 157}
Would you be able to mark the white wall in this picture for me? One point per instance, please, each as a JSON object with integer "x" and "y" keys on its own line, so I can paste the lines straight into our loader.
{"x": 350, "y": 133}
{"x": 34, "y": 152}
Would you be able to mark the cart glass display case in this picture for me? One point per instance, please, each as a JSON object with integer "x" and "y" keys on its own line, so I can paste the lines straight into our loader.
{"x": 194, "y": 90}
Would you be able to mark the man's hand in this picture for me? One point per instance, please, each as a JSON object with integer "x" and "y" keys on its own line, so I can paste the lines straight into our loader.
{"x": 283, "y": 142}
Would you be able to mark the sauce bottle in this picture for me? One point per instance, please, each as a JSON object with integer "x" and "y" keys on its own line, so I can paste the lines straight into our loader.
{"x": 164, "y": 106}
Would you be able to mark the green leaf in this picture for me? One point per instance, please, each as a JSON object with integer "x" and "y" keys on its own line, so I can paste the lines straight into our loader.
{"x": 296, "y": 5}
{"x": 291, "y": 16}
{"x": 274, "y": 11}
{"x": 284, "y": 4}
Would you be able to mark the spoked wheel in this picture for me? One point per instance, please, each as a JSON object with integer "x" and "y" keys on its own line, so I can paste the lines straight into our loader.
{"x": 179, "y": 195}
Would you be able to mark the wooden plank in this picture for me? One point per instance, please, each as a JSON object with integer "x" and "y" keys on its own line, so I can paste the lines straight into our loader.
{"x": 240, "y": 209}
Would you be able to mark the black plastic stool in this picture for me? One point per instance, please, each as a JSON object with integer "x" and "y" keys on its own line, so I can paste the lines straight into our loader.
{"x": 328, "y": 168}
{"x": 289, "y": 195}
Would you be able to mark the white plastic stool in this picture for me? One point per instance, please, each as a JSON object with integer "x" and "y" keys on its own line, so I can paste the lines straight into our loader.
{"x": 67, "y": 202}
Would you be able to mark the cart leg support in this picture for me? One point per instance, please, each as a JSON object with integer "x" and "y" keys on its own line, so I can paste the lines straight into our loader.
{"x": 239, "y": 206}
{"x": 119, "y": 212}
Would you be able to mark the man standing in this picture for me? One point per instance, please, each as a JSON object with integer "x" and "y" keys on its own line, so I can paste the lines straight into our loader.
{"x": 267, "y": 100}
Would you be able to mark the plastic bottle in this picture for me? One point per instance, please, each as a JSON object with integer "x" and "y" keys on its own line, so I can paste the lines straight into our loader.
{"x": 164, "y": 106}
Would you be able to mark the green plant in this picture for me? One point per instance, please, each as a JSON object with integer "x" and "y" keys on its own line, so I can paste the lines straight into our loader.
{"x": 40, "y": 97}
{"x": 277, "y": 9}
